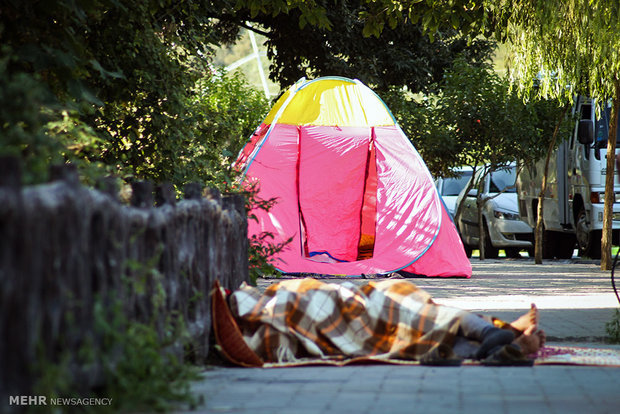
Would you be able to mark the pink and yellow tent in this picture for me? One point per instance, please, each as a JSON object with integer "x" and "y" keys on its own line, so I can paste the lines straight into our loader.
{"x": 352, "y": 191}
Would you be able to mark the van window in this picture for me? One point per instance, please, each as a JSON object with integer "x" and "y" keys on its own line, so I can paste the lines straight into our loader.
{"x": 601, "y": 129}
{"x": 586, "y": 112}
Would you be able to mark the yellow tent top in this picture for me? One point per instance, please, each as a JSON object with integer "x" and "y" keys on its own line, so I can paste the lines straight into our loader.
{"x": 330, "y": 101}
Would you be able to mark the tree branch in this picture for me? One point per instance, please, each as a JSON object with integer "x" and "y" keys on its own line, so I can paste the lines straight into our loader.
{"x": 255, "y": 30}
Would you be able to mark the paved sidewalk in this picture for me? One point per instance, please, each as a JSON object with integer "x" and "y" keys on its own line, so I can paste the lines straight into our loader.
{"x": 575, "y": 298}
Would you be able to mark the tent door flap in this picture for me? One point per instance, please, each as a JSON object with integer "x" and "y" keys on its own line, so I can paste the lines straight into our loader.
{"x": 337, "y": 192}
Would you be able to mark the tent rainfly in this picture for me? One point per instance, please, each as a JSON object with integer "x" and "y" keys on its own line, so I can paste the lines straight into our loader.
{"x": 352, "y": 191}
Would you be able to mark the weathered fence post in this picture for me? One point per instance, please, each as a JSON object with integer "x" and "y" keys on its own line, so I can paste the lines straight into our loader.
{"x": 142, "y": 194}
{"x": 108, "y": 185}
{"x": 13, "y": 283}
{"x": 64, "y": 172}
{"x": 65, "y": 248}
{"x": 193, "y": 191}
{"x": 165, "y": 194}
{"x": 10, "y": 173}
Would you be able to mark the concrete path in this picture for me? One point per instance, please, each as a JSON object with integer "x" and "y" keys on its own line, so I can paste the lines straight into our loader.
{"x": 575, "y": 298}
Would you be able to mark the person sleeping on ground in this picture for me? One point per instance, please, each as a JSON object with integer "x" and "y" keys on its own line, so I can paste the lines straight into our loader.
{"x": 300, "y": 319}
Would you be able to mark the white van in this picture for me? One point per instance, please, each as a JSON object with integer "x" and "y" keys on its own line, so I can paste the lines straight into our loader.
{"x": 574, "y": 200}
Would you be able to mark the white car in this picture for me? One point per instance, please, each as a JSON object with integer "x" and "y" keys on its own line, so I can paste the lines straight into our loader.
{"x": 449, "y": 188}
{"x": 502, "y": 224}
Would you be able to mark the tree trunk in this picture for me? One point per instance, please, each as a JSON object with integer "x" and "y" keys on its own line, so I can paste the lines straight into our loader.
{"x": 538, "y": 234}
{"x": 470, "y": 185}
{"x": 481, "y": 233}
{"x": 479, "y": 206}
{"x": 609, "y": 182}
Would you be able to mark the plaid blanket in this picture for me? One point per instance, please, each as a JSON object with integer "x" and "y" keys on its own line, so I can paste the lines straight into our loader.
{"x": 305, "y": 318}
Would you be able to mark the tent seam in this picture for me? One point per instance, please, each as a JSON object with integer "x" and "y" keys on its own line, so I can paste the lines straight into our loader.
{"x": 274, "y": 122}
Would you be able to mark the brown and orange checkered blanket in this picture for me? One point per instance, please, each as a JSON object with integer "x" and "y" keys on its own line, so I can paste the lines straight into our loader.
{"x": 301, "y": 319}
{"x": 308, "y": 322}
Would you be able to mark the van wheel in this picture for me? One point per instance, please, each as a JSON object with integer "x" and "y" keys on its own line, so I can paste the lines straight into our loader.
{"x": 589, "y": 242}
{"x": 565, "y": 246}
{"x": 548, "y": 244}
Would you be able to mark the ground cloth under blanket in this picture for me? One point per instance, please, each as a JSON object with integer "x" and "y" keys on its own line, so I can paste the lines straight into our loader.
{"x": 306, "y": 321}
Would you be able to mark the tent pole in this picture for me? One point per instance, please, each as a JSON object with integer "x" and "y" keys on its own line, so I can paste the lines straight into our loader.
{"x": 259, "y": 64}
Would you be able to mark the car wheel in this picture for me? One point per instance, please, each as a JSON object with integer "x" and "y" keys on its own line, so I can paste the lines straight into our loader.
{"x": 490, "y": 252}
{"x": 513, "y": 252}
{"x": 468, "y": 250}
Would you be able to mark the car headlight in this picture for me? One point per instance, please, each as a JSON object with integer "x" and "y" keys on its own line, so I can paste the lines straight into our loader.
{"x": 504, "y": 215}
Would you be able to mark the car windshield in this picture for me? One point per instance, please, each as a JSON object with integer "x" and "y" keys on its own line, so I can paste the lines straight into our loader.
{"x": 503, "y": 180}
{"x": 452, "y": 186}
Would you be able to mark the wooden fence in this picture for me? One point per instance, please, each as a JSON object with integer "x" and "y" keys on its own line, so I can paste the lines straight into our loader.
{"x": 67, "y": 250}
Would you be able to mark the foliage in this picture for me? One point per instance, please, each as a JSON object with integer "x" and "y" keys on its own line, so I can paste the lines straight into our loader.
{"x": 22, "y": 123}
{"x": 111, "y": 86}
{"x": 262, "y": 248}
{"x": 570, "y": 47}
{"x": 400, "y": 62}
{"x": 565, "y": 46}
{"x": 493, "y": 125}
{"x": 140, "y": 373}
{"x": 311, "y": 12}
{"x": 400, "y": 57}
{"x": 421, "y": 120}
{"x": 573, "y": 43}
{"x": 54, "y": 378}
{"x": 262, "y": 252}
{"x": 490, "y": 124}
{"x": 486, "y": 120}
{"x": 225, "y": 113}
{"x": 475, "y": 119}
{"x": 121, "y": 87}
{"x": 467, "y": 16}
